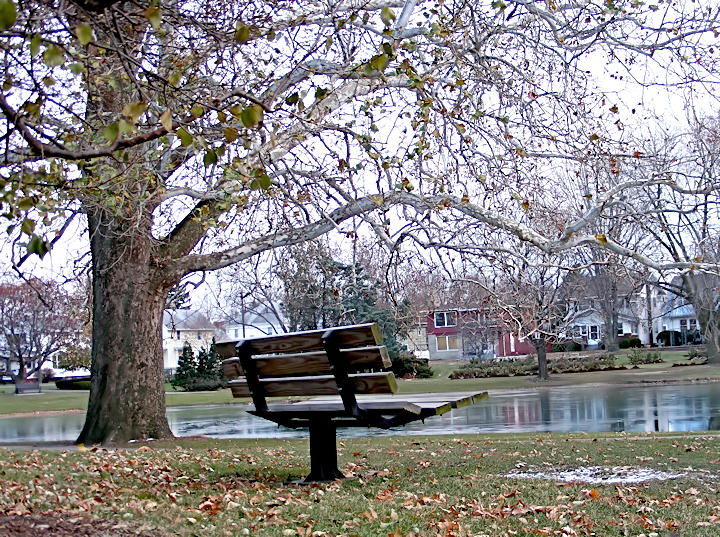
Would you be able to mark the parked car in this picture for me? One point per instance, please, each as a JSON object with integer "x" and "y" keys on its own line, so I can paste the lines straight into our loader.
{"x": 6, "y": 379}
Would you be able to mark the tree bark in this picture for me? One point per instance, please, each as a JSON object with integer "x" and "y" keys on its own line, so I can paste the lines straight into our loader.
{"x": 127, "y": 395}
{"x": 541, "y": 349}
{"x": 701, "y": 289}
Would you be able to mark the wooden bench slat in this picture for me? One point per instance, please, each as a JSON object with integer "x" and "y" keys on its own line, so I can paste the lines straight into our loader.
{"x": 359, "y": 335}
{"x": 317, "y": 385}
{"x": 374, "y": 357}
{"x": 337, "y": 408}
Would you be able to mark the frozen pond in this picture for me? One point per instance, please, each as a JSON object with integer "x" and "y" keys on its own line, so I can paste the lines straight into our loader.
{"x": 693, "y": 407}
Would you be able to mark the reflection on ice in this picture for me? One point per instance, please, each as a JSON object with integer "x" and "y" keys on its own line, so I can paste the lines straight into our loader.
{"x": 585, "y": 409}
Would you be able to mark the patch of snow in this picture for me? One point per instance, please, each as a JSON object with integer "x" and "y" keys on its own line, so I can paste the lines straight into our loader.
{"x": 600, "y": 475}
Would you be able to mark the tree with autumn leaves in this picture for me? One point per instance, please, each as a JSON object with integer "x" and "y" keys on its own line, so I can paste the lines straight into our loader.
{"x": 39, "y": 321}
{"x": 190, "y": 136}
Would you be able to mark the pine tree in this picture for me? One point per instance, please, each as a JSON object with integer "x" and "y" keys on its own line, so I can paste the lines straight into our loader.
{"x": 187, "y": 368}
{"x": 209, "y": 365}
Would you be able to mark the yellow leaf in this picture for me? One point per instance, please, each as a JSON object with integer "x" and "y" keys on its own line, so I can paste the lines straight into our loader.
{"x": 602, "y": 238}
{"x": 166, "y": 120}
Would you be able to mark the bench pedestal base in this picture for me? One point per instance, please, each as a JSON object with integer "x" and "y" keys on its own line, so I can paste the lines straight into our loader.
{"x": 323, "y": 452}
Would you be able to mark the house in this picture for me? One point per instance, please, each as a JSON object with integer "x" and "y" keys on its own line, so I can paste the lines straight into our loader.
{"x": 416, "y": 339}
{"x": 678, "y": 320}
{"x": 185, "y": 326}
{"x": 461, "y": 333}
{"x": 254, "y": 324}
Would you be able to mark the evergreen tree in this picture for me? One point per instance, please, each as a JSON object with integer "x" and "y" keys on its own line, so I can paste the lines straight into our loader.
{"x": 209, "y": 365}
{"x": 187, "y": 368}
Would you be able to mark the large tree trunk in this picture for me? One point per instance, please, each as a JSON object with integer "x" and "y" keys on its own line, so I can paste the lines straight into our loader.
{"x": 609, "y": 311}
{"x": 127, "y": 395}
{"x": 710, "y": 326}
{"x": 541, "y": 349}
{"x": 701, "y": 293}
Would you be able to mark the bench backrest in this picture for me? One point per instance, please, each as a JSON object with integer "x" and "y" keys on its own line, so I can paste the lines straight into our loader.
{"x": 346, "y": 360}
{"x": 28, "y": 385}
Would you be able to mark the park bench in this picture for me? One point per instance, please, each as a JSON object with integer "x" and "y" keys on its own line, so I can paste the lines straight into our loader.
{"x": 29, "y": 385}
{"x": 343, "y": 375}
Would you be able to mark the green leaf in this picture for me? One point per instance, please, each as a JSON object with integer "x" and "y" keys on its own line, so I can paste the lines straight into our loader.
{"x": 265, "y": 182}
{"x": 84, "y": 34}
{"x": 133, "y": 111}
{"x": 185, "y": 138}
{"x": 251, "y": 116}
{"x": 378, "y": 62}
{"x": 111, "y": 132}
{"x": 35, "y": 43}
{"x": 8, "y": 14}
{"x": 53, "y": 56}
{"x": 153, "y": 15}
{"x": 125, "y": 126}
{"x": 320, "y": 93}
{"x": 27, "y": 226}
{"x": 25, "y": 204}
{"x": 594, "y": 137}
{"x": 76, "y": 68}
{"x": 197, "y": 110}
{"x": 387, "y": 16}
{"x": 166, "y": 120}
{"x": 174, "y": 78}
{"x": 242, "y": 33}
{"x": 38, "y": 246}
{"x": 230, "y": 133}
{"x": 292, "y": 99}
{"x": 210, "y": 158}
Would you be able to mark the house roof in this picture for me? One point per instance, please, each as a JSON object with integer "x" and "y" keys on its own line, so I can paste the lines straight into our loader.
{"x": 186, "y": 320}
{"x": 257, "y": 319}
{"x": 686, "y": 310}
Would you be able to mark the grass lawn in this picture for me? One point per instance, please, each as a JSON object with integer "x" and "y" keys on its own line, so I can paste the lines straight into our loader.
{"x": 412, "y": 486}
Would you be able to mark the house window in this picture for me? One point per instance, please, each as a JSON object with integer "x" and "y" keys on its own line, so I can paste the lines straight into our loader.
{"x": 693, "y": 324}
{"x": 199, "y": 335}
{"x": 683, "y": 325}
{"x": 445, "y": 318}
{"x": 593, "y": 332}
{"x": 178, "y": 335}
{"x": 447, "y": 343}
{"x": 236, "y": 332}
{"x": 584, "y": 331}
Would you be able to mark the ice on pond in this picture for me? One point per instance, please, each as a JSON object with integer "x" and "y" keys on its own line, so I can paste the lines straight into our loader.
{"x": 599, "y": 475}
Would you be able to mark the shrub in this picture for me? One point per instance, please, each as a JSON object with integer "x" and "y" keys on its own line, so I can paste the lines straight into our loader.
{"x": 528, "y": 366}
{"x": 624, "y": 344}
{"x": 204, "y": 385}
{"x": 695, "y": 353}
{"x": 638, "y": 357}
{"x": 635, "y": 343}
{"x": 496, "y": 368}
{"x": 406, "y": 364}
{"x": 72, "y": 384}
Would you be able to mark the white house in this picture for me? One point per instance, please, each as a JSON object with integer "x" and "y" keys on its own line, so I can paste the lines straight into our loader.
{"x": 181, "y": 326}
{"x": 254, "y": 324}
